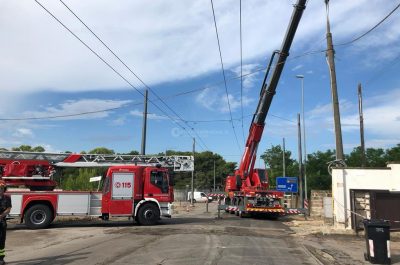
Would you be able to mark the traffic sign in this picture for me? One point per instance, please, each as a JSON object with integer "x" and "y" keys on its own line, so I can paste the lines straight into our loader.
{"x": 287, "y": 184}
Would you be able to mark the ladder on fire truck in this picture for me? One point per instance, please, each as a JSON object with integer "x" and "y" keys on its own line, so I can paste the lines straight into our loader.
{"x": 36, "y": 170}
{"x": 177, "y": 163}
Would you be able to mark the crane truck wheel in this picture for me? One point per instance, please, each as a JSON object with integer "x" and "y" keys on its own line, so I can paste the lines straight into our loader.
{"x": 38, "y": 216}
{"x": 148, "y": 214}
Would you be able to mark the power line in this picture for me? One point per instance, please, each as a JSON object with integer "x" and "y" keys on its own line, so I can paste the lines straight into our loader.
{"x": 223, "y": 73}
{"x": 130, "y": 70}
{"x": 105, "y": 62}
{"x": 241, "y": 67}
{"x": 166, "y": 97}
{"x": 371, "y": 29}
{"x": 60, "y": 116}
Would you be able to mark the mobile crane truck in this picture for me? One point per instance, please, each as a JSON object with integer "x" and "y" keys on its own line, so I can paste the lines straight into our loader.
{"x": 248, "y": 190}
{"x": 138, "y": 187}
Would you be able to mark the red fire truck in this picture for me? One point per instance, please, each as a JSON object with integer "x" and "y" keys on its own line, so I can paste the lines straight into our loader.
{"x": 134, "y": 186}
{"x": 248, "y": 188}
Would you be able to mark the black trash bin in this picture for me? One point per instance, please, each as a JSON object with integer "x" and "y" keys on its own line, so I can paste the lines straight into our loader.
{"x": 377, "y": 238}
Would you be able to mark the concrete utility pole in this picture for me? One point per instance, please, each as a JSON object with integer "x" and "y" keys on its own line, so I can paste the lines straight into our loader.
{"x": 283, "y": 157}
{"x": 300, "y": 163}
{"x": 192, "y": 194}
{"x": 144, "y": 128}
{"x": 330, "y": 52}
{"x": 360, "y": 111}
{"x": 301, "y": 77}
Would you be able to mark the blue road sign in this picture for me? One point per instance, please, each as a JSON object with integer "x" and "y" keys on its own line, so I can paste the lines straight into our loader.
{"x": 287, "y": 184}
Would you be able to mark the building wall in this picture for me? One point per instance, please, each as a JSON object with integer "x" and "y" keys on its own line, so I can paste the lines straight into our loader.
{"x": 344, "y": 180}
{"x": 317, "y": 202}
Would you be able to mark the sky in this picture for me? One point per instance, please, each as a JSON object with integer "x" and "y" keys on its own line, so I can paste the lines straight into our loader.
{"x": 172, "y": 46}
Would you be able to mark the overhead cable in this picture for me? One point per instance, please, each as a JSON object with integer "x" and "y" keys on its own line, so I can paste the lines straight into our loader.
{"x": 111, "y": 67}
{"x": 223, "y": 74}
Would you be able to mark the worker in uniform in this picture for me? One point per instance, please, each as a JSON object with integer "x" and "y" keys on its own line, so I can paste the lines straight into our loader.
{"x": 5, "y": 208}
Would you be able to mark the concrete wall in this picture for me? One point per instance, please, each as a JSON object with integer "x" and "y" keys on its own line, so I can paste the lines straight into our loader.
{"x": 344, "y": 180}
{"x": 317, "y": 204}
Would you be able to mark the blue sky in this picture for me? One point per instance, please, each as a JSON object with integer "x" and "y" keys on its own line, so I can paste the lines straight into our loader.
{"x": 45, "y": 71}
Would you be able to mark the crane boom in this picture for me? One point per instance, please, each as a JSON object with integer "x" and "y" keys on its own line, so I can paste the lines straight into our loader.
{"x": 267, "y": 93}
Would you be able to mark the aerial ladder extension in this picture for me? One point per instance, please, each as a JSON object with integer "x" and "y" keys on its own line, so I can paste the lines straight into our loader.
{"x": 35, "y": 170}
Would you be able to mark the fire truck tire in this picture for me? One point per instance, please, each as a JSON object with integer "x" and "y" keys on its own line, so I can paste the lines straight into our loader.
{"x": 148, "y": 214}
{"x": 38, "y": 216}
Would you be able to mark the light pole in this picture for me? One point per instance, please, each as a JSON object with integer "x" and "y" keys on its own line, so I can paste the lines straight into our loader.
{"x": 301, "y": 77}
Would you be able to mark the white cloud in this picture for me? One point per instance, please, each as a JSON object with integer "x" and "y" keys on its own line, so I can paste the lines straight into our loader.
{"x": 118, "y": 121}
{"x": 23, "y": 132}
{"x": 248, "y": 80}
{"x": 174, "y": 39}
{"x": 218, "y": 101}
{"x": 150, "y": 116}
{"x": 72, "y": 107}
{"x": 381, "y": 118}
{"x": 297, "y": 67}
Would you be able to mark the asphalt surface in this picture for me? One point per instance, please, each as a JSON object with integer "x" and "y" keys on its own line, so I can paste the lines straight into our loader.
{"x": 191, "y": 237}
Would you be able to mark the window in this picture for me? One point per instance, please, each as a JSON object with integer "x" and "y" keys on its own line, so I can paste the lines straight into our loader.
{"x": 106, "y": 185}
{"x": 160, "y": 179}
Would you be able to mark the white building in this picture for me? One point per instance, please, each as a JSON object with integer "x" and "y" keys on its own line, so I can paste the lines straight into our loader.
{"x": 346, "y": 180}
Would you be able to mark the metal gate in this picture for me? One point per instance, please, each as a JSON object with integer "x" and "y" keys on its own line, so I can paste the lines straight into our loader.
{"x": 386, "y": 205}
{"x": 374, "y": 204}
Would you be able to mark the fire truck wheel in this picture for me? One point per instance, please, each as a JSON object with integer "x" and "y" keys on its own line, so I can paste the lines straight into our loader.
{"x": 38, "y": 216}
{"x": 148, "y": 214}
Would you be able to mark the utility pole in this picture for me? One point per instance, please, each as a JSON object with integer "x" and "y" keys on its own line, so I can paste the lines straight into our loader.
{"x": 330, "y": 52}
{"x": 214, "y": 175}
{"x": 192, "y": 194}
{"x": 144, "y": 128}
{"x": 301, "y": 77}
{"x": 283, "y": 157}
{"x": 360, "y": 111}
{"x": 300, "y": 163}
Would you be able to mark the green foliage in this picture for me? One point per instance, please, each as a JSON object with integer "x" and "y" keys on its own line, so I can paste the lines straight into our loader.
{"x": 273, "y": 159}
{"x": 78, "y": 179}
{"x": 393, "y": 154}
{"x": 375, "y": 157}
{"x": 102, "y": 150}
{"x": 318, "y": 177}
{"x": 28, "y": 148}
{"x": 317, "y": 173}
{"x": 204, "y": 171}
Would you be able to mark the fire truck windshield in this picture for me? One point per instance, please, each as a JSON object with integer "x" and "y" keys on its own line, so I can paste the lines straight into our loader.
{"x": 160, "y": 179}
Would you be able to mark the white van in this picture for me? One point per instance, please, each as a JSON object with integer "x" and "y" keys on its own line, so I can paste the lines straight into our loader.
{"x": 199, "y": 197}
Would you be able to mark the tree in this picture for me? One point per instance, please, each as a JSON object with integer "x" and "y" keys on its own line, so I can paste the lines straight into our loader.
{"x": 133, "y": 152}
{"x": 28, "y": 148}
{"x": 273, "y": 160}
{"x": 393, "y": 154}
{"x": 102, "y": 151}
{"x": 375, "y": 157}
{"x": 38, "y": 149}
{"x": 317, "y": 170}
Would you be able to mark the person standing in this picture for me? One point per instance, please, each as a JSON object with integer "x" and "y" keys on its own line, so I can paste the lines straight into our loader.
{"x": 5, "y": 208}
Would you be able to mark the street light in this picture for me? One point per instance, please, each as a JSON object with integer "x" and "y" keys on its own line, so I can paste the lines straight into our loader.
{"x": 301, "y": 77}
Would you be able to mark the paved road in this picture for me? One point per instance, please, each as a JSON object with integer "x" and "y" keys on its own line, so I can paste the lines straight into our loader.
{"x": 186, "y": 239}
